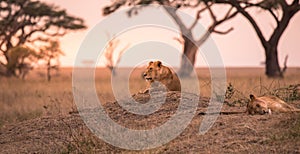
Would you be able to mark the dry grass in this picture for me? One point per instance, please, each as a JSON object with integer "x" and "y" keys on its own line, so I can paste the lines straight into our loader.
{"x": 35, "y": 97}
{"x": 53, "y": 129}
{"x": 22, "y": 100}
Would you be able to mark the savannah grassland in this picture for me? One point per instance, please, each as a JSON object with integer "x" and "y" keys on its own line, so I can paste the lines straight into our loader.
{"x": 34, "y": 102}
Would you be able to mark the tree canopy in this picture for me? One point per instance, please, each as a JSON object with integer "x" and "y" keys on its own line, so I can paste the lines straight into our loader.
{"x": 20, "y": 58}
{"x": 27, "y": 21}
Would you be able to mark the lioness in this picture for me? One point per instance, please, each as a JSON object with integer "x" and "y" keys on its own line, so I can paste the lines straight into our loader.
{"x": 268, "y": 104}
{"x": 157, "y": 72}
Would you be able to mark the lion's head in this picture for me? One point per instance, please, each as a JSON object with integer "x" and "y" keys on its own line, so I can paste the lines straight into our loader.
{"x": 257, "y": 106}
{"x": 155, "y": 71}
{"x": 158, "y": 73}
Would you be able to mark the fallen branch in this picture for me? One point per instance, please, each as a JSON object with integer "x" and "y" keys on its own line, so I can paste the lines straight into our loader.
{"x": 221, "y": 113}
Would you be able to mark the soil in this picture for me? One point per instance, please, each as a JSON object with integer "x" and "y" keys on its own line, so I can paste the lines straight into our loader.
{"x": 233, "y": 132}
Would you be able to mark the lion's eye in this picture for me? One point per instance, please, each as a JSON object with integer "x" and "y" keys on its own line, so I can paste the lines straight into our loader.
{"x": 257, "y": 105}
{"x": 150, "y": 69}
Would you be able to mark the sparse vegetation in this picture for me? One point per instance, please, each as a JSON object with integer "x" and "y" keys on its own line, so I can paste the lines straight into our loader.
{"x": 287, "y": 93}
{"x": 23, "y": 98}
{"x": 292, "y": 131}
{"x": 51, "y": 112}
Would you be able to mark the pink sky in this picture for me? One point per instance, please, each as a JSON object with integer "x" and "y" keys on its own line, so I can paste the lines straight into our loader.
{"x": 238, "y": 48}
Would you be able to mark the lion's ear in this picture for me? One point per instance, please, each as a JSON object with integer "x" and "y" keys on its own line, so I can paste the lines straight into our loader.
{"x": 252, "y": 97}
{"x": 158, "y": 63}
{"x": 151, "y": 62}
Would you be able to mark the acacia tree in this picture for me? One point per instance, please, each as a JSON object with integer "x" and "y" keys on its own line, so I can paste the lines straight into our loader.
{"x": 282, "y": 11}
{"x": 27, "y": 21}
{"x": 50, "y": 54}
{"x": 21, "y": 60}
{"x": 190, "y": 43}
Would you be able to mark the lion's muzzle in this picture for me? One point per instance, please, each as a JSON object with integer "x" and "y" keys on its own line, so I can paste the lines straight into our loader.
{"x": 147, "y": 78}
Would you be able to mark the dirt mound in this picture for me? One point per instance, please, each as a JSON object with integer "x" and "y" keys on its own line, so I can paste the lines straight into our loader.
{"x": 231, "y": 133}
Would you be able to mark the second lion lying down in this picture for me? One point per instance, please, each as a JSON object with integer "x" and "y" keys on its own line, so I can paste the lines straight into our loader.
{"x": 268, "y": 104}
{"x": 156, "y": 71}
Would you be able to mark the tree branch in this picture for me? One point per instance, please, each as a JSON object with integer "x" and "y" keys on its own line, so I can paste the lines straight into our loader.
{"x": 296, "y": 6}
{"x": 172, "y": 12}
{"x": 24, "y": 38}
{"x": 212, "y": 15}
{"x": 227, "y": 17}
{"x": 216, "y": 22}
{"x": 197, "y": 18}
{"x": 274, "y": 16}
{"x": 283, "y": 4}
{"x": 110, "y": 9}
{"x": 228, "y": 12}
{"x": 56, "y": 34}
{"x": 223, "y": 32}
{"x": 295, "y": 2}
{"x": 251, "y": 20}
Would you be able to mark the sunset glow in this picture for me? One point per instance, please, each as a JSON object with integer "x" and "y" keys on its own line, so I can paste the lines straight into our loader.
{"x": 238, "y": 48}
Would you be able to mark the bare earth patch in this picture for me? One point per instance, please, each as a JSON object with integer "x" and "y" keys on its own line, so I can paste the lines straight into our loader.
{"x": 231, "y": 133}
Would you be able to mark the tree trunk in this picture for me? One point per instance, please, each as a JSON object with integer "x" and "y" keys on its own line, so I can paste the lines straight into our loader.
{"x": 188, "y": 58}
{"x": 112, "y": 70}
{"x": 10, "y": 70}
{"x": 272, "y": 65}
{"x": 3, "y": 69}
{"x": 49, "y": 70}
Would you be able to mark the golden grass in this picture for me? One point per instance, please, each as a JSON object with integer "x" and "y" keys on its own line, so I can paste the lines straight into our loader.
{"x": 21, "y": 100}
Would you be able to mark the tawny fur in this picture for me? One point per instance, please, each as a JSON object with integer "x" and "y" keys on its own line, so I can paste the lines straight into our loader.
{"x": 268, "y": 104}
{"x": 155, "y": 71}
